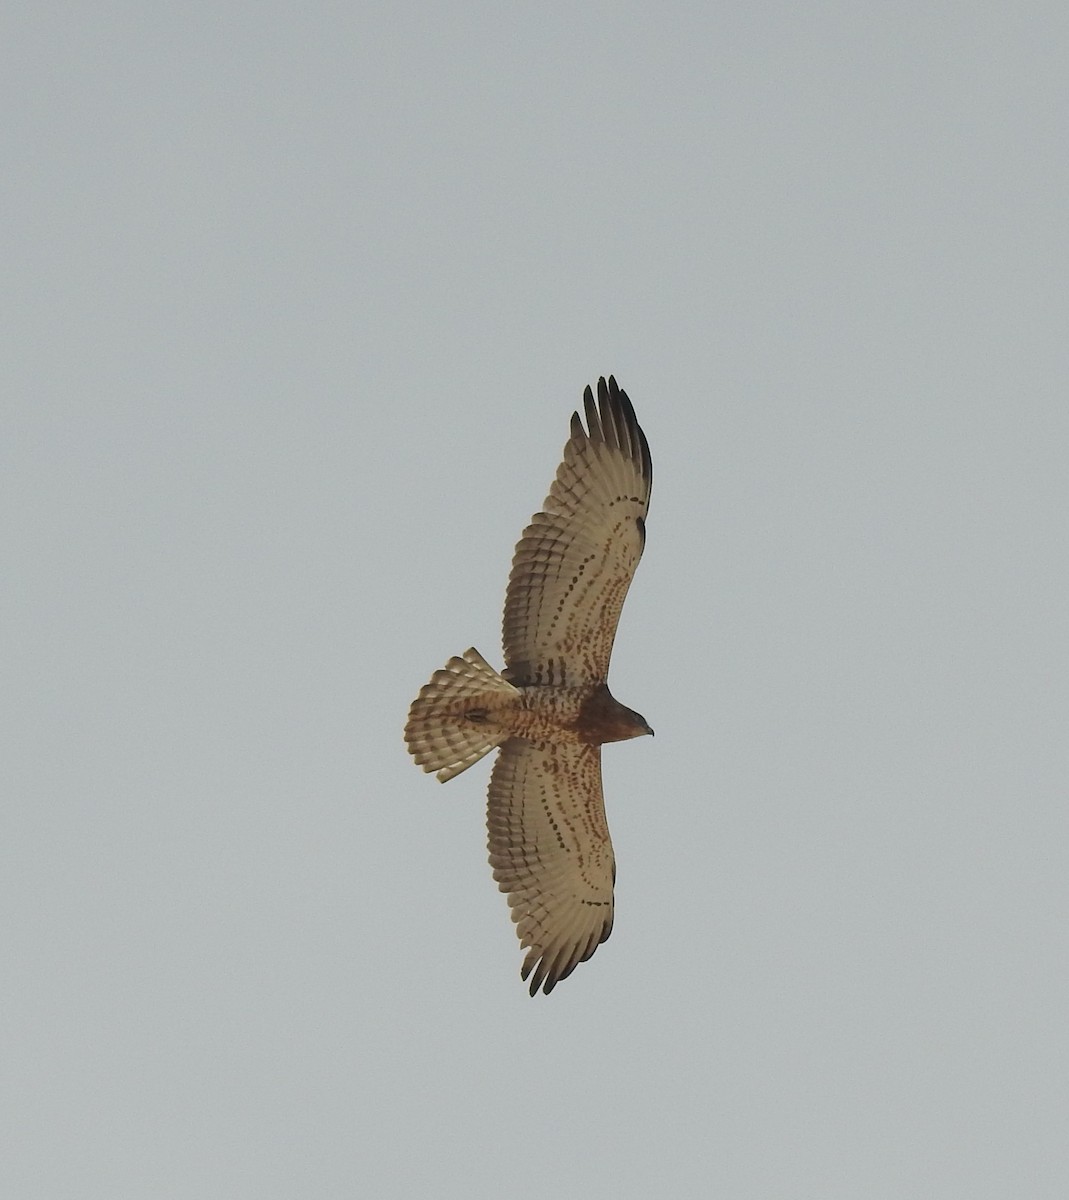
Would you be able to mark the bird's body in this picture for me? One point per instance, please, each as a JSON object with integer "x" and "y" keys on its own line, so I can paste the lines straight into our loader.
{"x": 550, "y": 711}
{"x": 586, "y": 714}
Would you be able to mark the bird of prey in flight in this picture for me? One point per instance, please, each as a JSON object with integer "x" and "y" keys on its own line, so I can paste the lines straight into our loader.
{"x": 550, "y": 709}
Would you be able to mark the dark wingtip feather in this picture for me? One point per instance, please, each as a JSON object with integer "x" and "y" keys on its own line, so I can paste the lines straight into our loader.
{"x": 593, "y": 419}
{"x": 539, "y": 975}
{"x": 618, "y": 425}
{"x": 543, "y": 978}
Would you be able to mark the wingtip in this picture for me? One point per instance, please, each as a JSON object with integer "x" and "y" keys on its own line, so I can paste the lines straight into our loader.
{"x": 618, "y": 423}
{"x": 594, "y": 414}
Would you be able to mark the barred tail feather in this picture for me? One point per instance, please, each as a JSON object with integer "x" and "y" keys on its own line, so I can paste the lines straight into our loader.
{"x": 450, "y": 724}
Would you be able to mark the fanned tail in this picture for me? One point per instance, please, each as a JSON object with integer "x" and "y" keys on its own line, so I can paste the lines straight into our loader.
{"x": 451, "y": 723}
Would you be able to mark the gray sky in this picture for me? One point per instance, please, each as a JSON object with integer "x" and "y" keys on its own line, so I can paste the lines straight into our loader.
{"x": 298, "y": 303}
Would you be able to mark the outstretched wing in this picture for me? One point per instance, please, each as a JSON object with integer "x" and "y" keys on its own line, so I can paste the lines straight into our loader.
{"x": 574, "y": 563}
{"x": 550, "y": 850}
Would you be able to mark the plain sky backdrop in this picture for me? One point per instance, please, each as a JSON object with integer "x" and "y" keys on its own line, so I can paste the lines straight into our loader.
{"x": 298, "y": 300}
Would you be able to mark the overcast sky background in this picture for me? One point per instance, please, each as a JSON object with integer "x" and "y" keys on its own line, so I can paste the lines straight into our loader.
{"x": 298, "y": 302}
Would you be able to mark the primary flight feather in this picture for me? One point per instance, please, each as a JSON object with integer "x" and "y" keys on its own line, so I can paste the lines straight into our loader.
{"x": 550, "y": 710}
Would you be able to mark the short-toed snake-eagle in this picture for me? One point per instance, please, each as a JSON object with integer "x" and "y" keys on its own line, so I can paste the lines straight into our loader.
{"x": 550, "y": 710}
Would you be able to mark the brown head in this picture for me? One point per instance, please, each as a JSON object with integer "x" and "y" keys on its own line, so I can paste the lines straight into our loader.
{"x": 602, "y": 718}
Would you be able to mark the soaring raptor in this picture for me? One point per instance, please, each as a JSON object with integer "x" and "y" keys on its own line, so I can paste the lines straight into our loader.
{"x": 550, "y": 710}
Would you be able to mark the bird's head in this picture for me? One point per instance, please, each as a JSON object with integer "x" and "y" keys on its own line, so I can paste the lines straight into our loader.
{"x": 639, "y": 724}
